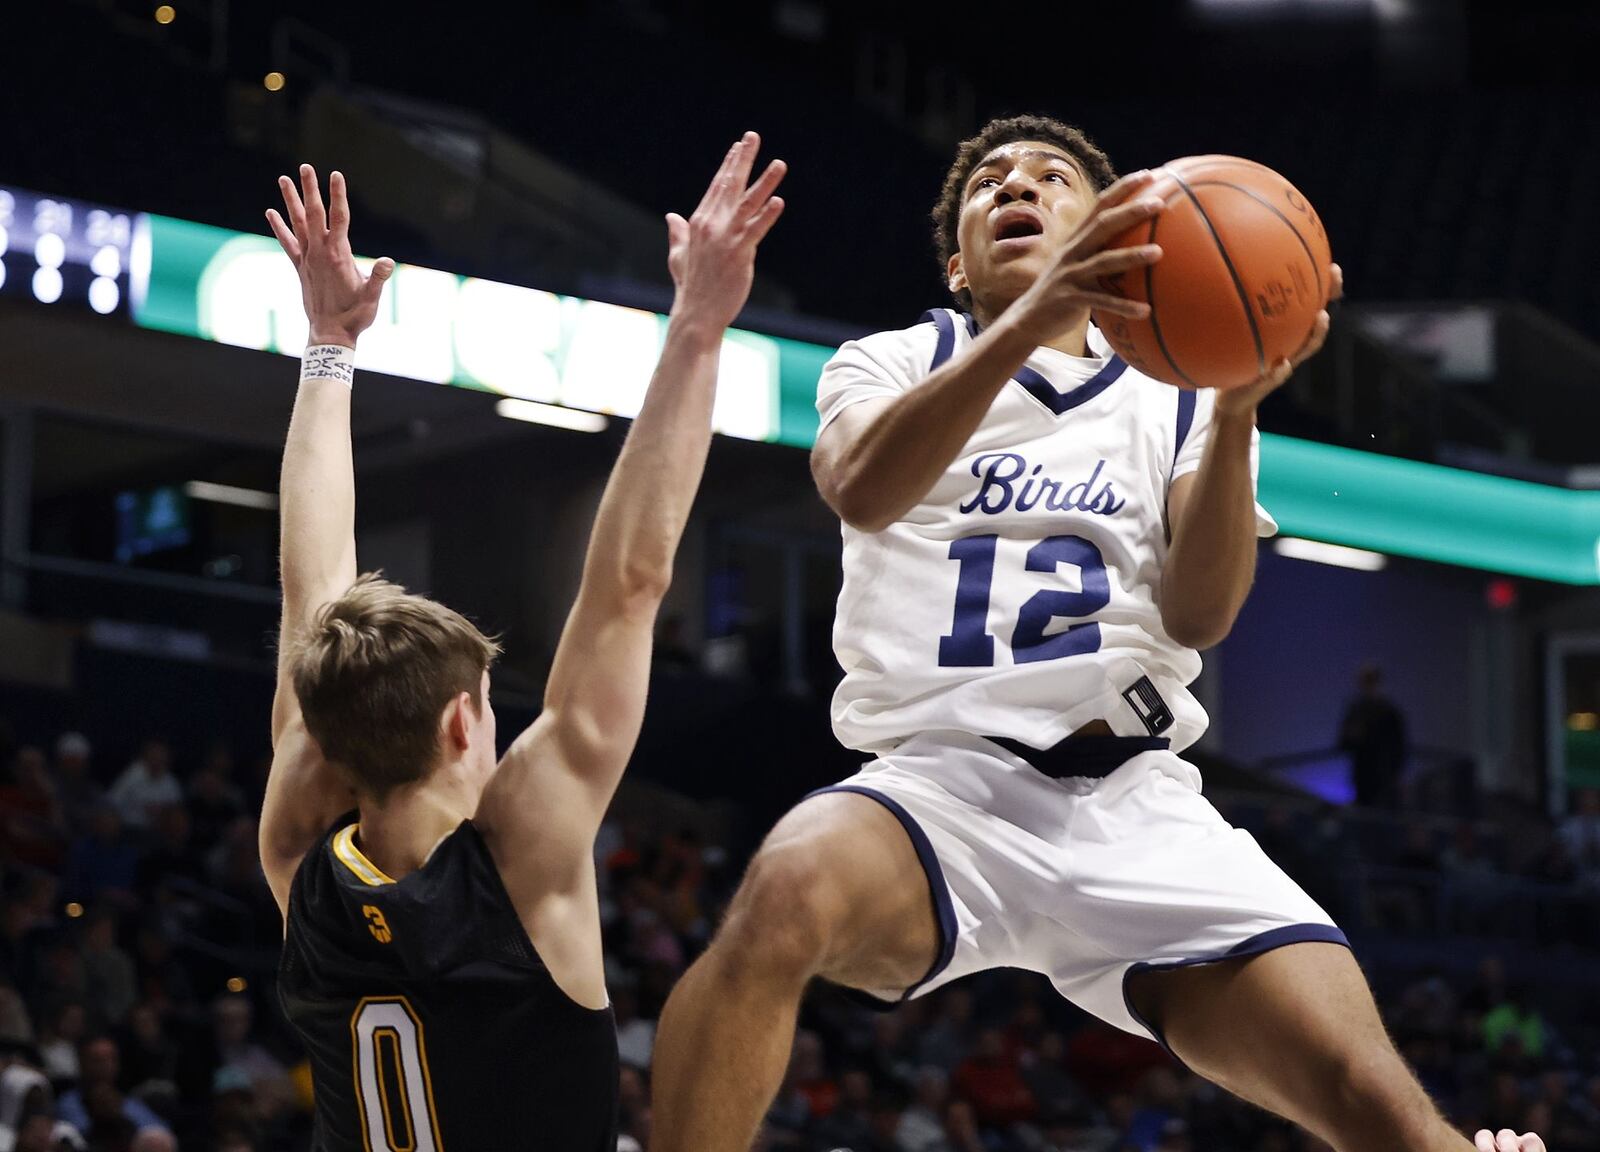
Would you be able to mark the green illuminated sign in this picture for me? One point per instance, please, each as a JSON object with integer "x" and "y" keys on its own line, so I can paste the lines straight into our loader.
{"x": 1408, "y": 508}
{"x": 237, "y": 289}
{"x": 449, "y": 329}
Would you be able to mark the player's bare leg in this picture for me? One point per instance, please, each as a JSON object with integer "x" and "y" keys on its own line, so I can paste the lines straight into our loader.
{"x": 1296, "y": 1031}
{"x": 836, "y": 891}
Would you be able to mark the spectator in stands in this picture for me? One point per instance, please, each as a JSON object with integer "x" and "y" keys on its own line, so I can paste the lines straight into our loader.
{"x": 633, "y": 1105}
{"x": 233, "y": 1019}
{"x": 107, "y": 1126}
{"x": 36, "y": 1133}
{"x": 849, "y": 1123}
{"x": 32, "y": 830}
{"x": 108, "y": 972}
{"x": 1408, "y": 901}
{"x": 1373, "y": 735}
{"x": 1107, "y": 1060}
{"x": 991, "y": 1082}
{"x": 59, "y": 973}
{"x": 104, "y": 863}
{"x": 921, "y": 1127}
{"x": 1580, "y": 834}
{"x": 1514, "y": 1032}
{"x": 636, "y": 1037}
{"x": 234, "y": 869}
{"x": 961, "y": 1123}
{"x": 811, "y": 1078}
{"x": 890, "y": 1051}
{"x": 153, "y": 1140}
{"x": 214, "y": 802}
{"x": 948, "y": 1040}
{"x": 97, "y": 1101}
{"x": 60, "y": 1033}
{"x": 162, "y": 979}
{"x": 146, "y": 785}
{"x": 1159, "y": 1102}
{"x": 149, "y": 1056}
{"x": 1473, "y": 893}
{"x": 1054, "y": 1090}
{"x": 23, "y": 1088}
{"x": 170, "y": 852}
{"x": 76, "y": 789}
{"x": 234, "y": 1103}
{"x": 789, "y": 1118}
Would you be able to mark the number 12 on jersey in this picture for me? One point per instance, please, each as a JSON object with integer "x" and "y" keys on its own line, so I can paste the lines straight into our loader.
{"x": 969, "y": 644}
{"x": 390, "y": 1052}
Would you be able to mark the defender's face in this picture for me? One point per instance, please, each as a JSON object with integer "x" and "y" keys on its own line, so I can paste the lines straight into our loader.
{"x": 1021, "y": 204}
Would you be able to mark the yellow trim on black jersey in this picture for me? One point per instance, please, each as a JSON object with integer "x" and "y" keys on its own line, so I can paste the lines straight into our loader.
{"x": 344, "y": 847}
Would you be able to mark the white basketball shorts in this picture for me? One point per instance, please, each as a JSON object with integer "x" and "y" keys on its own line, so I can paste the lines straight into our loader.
{"x": 1084, "y": 878}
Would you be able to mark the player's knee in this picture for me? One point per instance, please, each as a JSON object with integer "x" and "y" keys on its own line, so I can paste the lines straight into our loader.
{"x": 786, "y": 912}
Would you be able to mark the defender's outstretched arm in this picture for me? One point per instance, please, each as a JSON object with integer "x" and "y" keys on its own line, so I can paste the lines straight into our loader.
{"x": 317, "y": 503}
{"x": 552, "y": 788}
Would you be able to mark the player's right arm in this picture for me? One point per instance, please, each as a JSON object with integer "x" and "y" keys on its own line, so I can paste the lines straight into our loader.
{"x": 541, "y": 810}
{"x": 880, "y": 456}
{"x": 317, "y": 501}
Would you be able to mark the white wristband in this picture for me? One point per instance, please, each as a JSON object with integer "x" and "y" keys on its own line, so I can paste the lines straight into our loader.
{"x": 329, "y": 362}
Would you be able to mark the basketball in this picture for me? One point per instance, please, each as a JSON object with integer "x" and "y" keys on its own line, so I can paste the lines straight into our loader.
{"x": 1243, "y": 273}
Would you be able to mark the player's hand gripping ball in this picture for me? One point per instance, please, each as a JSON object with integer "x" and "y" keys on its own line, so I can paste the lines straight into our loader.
{"x": 1245, "y": 268}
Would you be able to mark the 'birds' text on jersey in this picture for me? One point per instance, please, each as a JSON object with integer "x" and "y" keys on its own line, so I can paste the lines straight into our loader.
{"x": 1020, "y": 597}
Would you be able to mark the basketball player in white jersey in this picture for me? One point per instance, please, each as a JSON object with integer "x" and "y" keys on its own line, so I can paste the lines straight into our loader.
{"x": 1037, "y": 539}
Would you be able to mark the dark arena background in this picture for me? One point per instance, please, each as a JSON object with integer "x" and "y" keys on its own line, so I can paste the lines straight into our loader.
{"x": 1406, "y": 716}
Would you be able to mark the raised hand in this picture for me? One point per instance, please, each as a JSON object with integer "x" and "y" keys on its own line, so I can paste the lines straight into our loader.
{"x": 712, "y": 254}
{"x": 340, "y": 302}
{"x": 1071, "y": 282}
{"x": 1507, "y": 1141}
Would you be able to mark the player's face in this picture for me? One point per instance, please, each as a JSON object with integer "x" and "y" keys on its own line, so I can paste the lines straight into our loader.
{"x": 1021, "y": 204}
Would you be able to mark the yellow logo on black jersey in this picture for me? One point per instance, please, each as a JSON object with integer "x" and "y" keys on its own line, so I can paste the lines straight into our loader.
{"x": 376, "y": 924}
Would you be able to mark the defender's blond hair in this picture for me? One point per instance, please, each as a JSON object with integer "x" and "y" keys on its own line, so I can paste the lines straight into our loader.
{"x": 373, "y": 673}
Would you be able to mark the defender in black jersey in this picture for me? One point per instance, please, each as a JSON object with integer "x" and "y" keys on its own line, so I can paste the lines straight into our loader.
{"x": 373, "y": 967}
{"x": 442, "y": 956}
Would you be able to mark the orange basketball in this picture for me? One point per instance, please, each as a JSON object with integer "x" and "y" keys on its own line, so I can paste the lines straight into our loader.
{"x": 1243, "y": 273}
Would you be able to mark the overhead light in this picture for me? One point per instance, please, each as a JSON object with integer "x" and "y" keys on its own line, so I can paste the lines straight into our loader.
{"x": 166, "y": 14}
{"x": 228, "y": 494}
{"x": 1336, "y": 554}
{"x": 273, "y": 81}
{"x": 551, "y": 414}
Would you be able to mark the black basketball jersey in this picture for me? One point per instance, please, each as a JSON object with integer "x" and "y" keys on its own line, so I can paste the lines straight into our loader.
{"x": 431, "y": 1023}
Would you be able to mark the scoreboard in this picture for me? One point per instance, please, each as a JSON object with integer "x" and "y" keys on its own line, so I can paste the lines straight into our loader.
{"x": 66, "y": 251}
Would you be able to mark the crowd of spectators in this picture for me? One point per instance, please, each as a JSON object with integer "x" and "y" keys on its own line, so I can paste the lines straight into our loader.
{"x": 1527, "y": 879}
{"x": 136, "y": 941}
{"x": 138, "y": 944}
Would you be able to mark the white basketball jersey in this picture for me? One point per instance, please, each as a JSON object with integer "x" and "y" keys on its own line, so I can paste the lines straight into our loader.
{"x": 1021, "y": 596}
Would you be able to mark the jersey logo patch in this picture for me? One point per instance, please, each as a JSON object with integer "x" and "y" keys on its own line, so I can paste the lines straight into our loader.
{"x": 1148, "y": 705}
{"x": 376, "y": 924}
{"x": 1001, "y": 471}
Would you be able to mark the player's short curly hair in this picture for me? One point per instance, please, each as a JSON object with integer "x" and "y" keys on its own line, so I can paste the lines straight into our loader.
{"x": 947, "y": 212}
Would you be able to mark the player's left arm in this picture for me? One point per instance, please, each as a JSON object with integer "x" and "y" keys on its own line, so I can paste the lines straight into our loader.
{"x": 1212, "y": 512}
{"x": 317, "y": 502}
